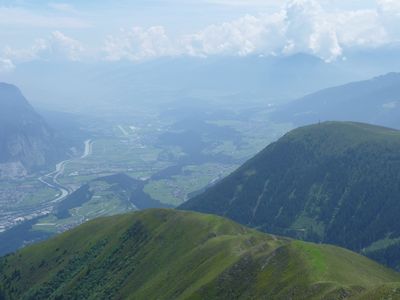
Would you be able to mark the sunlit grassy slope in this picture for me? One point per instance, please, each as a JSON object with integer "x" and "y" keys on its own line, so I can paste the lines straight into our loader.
{"x": 168, "y": 254}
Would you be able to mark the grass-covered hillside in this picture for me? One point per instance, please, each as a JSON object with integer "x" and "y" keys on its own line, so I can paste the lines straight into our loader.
{"x": 168, "y": 254}
{"x": 334, "y": 182}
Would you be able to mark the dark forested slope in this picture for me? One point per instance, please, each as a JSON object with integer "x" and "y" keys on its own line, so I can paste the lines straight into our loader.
{"x": 334, "y": 182}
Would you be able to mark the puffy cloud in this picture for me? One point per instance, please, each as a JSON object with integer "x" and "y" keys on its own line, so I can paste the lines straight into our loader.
{"x": 362, "y": 28}
{"x": 302, "y": 26}
{"x": 39, "y": 47}
{"x": 58, "y": 45}
{"x": 308, "y": 30}
{"x": 389, "y": 12}
{"x": 66, "y": 46}
{"x": 6, "y": 65}
{"x": 308, "y": 26}
{"x": 138, "y": 44}
{"x": 244, "y": 36}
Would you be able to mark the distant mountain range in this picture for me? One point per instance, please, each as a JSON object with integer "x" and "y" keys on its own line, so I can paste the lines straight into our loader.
{"x": 375, "y": 101}
{"x": 269, "y": 78}
{"x": 167, "y": 254}
{"x": 334, "y": 182}
{"x": 26, "y": 141}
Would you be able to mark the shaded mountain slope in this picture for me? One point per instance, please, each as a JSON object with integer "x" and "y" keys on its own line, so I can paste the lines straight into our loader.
{"x": 26, "y": 142}
{"x": 375, "y": 101}
{"x": 167, "y": 254}
{"x": 335, "y": 182}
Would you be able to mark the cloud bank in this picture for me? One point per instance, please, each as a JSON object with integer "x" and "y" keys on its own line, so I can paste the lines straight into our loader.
{"x": 299, "y": 26}
{"x": 57, "y": 46}
{"x": 138, "y": 44}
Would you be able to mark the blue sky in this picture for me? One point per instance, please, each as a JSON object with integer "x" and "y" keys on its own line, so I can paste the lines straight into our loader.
{"x": 147, "y": 29}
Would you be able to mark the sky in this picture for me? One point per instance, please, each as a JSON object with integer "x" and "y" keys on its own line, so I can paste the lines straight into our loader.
{"x": 140, "y": 30}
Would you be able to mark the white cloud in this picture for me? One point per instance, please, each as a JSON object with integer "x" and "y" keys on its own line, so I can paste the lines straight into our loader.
{"x": 66, "y": 46}
{"x": 302, "y": 26}
{"x": 6, "y": 65}
{"x": 389, "y": 12}
{"x": 307, "y": 30}
{"x": 362, "y": 28}
{"x": 138, "y": 44}
{"x": 57, "y": 46}
{"x": 27, "y": 54}
{"x": 308, "y": 26}
{"x": 242, "y": 37}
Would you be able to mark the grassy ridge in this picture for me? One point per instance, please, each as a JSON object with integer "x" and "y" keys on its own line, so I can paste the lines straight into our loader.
{"x": 167, "y": 254}
{"x": 333, "y": 182}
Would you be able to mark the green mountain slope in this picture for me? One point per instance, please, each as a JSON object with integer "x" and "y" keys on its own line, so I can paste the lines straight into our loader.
{"x": 335, "y": 182}
{"x": 169, "y": 254}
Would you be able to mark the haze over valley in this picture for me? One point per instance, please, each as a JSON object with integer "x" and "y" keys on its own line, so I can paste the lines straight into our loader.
{"x": 248, "y": 152}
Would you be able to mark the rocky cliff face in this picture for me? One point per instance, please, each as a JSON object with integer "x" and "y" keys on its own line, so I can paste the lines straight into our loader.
{"x": 26, "y": 141}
